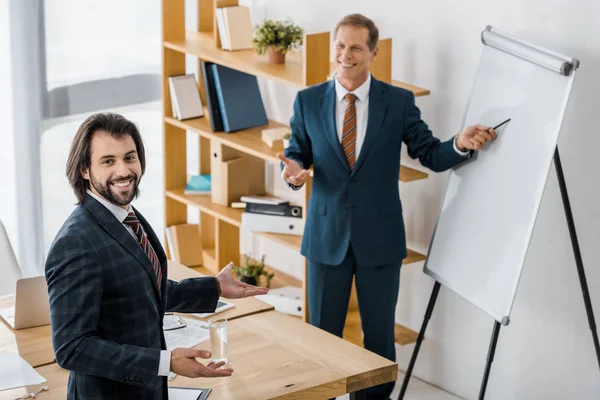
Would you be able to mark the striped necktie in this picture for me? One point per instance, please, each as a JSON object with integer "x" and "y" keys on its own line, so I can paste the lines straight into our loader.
{"x": 135, "y": 224}
{"x": 349, "y": 130}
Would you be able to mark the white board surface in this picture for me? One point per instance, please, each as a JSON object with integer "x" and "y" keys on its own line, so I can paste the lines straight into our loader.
{"x": 485, "y": 223}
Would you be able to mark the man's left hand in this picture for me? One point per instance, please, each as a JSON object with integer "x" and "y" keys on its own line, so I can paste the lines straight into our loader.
{"x": 475, "y": 137}
{"x": 232, "y": 288}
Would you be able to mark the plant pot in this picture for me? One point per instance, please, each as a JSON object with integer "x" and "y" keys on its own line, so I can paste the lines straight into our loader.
{"x": 250, "y": 280}
{"x": 275, "y": 56}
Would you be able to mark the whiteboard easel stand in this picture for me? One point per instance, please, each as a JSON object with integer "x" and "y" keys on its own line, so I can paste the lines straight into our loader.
{"x": 505, "y": 320}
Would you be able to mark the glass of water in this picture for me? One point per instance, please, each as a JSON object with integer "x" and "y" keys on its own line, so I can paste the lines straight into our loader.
{"x": 218, "y": 339}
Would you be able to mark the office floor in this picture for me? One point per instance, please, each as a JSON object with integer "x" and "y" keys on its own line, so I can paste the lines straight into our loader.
{"x": 58, "y": 199}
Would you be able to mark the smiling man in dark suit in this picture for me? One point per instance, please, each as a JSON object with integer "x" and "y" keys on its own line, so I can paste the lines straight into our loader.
{"x": 351, "y": 129}
{"x": 107, "y": 277}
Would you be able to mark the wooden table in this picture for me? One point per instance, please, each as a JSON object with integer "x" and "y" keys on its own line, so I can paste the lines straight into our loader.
{"x": 35, "y": 344}
{"x": 243, "y": 307}
{"x": 273, "y": 356}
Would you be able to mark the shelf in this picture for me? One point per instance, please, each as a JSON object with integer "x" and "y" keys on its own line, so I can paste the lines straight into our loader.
{"x": 233, "y": 216}
{"x": 353, "y": 331}
{"x": 230, "y": 215}
{"x": 294, "y": 242}
{"x": 202, "y": 45}
{"x": 249, "y": 141}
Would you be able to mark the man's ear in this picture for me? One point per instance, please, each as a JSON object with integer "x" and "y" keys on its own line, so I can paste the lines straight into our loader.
{"x": 85, "y": 173}
{"x": 374, "y": 53}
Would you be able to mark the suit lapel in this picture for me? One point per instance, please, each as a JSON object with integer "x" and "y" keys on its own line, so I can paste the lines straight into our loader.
{"x": 116, "y": 229}
{"x": 328, "y": 117}
{"x": 378, "y": 101}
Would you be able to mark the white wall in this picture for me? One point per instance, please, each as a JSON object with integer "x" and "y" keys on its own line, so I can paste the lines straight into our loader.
{"x": 546, "y": 352}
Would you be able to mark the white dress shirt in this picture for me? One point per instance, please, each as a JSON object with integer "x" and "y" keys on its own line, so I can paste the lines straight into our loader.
{"x": 164, "y": 365}
{"x": 362, "y": 113}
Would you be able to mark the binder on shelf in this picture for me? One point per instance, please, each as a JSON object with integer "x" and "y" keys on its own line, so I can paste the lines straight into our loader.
{"x": 216, "y": 122}
{"x": 286, "y": 299}
{"x": 284, "y": 210}
{"x": 239, "y": 98}
{"x": 272, "y": 223}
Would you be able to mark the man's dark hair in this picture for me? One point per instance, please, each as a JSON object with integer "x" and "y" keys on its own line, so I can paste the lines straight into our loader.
{"x": 79, "y": 156}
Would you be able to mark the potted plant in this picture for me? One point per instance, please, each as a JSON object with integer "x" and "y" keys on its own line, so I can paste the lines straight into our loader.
{"x": 276, "y": 38}
{"x": 286, "y": 139}
{"x": 251, "y": 271}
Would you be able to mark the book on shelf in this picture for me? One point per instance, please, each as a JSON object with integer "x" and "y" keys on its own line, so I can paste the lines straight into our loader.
{"x": 283, "y": 210}
{"x": 198, "y": 184}
{"x": 185, "y": 244}
{"x": 185, "y": 97}
{"x": 235, "y": 27}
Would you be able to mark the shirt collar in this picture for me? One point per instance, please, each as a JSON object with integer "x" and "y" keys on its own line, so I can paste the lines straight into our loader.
{"x": 117, "y": 211}
{"x": 361, "y": 92}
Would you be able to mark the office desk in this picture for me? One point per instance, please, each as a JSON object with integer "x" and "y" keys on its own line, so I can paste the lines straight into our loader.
{"x": 33, "y": 344}
{"x": 273, "y": 356}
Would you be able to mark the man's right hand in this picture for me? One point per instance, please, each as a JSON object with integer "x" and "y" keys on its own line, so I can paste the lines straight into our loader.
{"x": 183, "y": 362}
{"x": 292, "y": 171}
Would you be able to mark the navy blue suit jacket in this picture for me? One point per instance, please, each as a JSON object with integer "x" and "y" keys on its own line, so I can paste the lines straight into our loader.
{"x": 361, "y": 206}
{"x": 106, "y": 312}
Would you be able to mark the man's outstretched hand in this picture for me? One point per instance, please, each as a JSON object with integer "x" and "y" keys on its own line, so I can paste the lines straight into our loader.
{"x": 232, "y": 288}
{"x": 292, "y": 171}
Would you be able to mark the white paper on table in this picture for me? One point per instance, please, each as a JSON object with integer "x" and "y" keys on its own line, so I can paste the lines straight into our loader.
{"x": 16, "y": 372}
{"x": 194, "y": 333}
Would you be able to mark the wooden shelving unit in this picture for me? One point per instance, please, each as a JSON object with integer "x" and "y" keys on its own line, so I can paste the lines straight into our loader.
{"x": 220, "y": 225}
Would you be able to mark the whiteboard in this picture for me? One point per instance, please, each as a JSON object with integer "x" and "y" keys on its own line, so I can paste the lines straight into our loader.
{"x": 489, "y": 209}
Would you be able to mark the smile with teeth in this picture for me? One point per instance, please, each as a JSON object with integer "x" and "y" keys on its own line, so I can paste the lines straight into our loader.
{"x": 346, "y": 65}
{"x": 123, "y": 184}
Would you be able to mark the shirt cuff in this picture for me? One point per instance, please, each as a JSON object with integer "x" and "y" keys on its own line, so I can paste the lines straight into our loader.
{"x": 164, "y": 365}
{"x": 462, "y": 153}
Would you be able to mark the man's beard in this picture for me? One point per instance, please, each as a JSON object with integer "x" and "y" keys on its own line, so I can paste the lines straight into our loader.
{"x": 106, "y": 190}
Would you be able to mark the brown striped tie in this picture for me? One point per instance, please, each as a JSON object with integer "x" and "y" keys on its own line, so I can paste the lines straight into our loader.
{"x": 133, "y": 221}
{"x": 349, "y": 130}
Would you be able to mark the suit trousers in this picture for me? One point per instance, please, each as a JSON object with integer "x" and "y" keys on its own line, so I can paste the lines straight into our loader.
{"x": 329, "y": 288}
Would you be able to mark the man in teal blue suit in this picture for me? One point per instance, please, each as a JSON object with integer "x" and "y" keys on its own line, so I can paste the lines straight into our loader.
{"x": 351, "y": 129}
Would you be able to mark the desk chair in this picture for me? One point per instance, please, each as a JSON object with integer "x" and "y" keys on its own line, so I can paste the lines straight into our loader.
{"x": 9, "y": 268}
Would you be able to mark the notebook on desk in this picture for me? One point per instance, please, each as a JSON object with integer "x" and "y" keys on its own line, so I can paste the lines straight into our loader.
{"x": 31, "y": 306}
{"x": 181, "y": 393}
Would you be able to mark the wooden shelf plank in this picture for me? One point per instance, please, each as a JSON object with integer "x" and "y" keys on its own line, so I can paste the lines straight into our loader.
{"x": 415, "y": 89}
{"x": 294, "y": 242}
{"x": 249, "y": 141}
{"x": 230, "y": 215}
{"x": 404, "y": 335}
{"x": 408, "y": 174}
{"x": 413, "y": 257}
{"x": 353, "y": 331}
{"x": 202, "y": 45}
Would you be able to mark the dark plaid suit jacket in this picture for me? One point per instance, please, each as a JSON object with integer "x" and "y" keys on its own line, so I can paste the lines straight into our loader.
{"x": 106, "y": 312}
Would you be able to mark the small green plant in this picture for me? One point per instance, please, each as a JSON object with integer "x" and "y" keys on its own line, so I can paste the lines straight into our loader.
{"x": 281, "y": 35}
{"x": 251, "y": 271}
{"x": 287, "y": 135}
